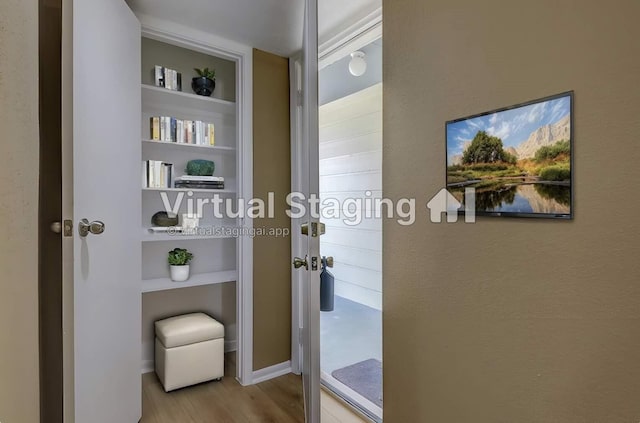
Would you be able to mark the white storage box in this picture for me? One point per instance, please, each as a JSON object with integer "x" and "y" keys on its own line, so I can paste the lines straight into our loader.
{"x": 189, "y": 349}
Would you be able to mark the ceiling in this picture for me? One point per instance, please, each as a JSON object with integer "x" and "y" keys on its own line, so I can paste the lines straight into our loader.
{"x": 270, "y": 25}
{"x": 335, "y": 81}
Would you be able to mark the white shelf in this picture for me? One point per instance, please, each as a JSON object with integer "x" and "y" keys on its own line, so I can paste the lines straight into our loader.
{"x": 160, "y": 236}
{"x": 162, "y": 284}
{"x": 213, "y": 191}
{"x": 161, "y": 96}
{"x": 214, "y": 148}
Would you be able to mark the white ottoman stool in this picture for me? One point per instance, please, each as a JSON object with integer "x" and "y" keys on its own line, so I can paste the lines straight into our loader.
{"x": 189, "y": 350}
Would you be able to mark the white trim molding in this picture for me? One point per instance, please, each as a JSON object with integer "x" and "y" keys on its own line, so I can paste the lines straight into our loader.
{"x": 230, "y": 346}
{"x": 272, "y": 372}
{"x": 297, "y": 241}
{"x": 242, "y": 55}
{"x": 340, "y": 45}
{"x": 352, "y": 38}
{"x": 148, "y": 366}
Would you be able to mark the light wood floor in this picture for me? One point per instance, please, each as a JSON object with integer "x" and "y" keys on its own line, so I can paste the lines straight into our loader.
{"x": 278, "y": 400}
{"x": 333, "y": 411}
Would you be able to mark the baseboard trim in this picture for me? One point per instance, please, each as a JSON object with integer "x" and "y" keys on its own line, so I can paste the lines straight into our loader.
{"x": 148, "y": 366}
{"x": 230, "y": 346}
{"x": 271, "y": 372}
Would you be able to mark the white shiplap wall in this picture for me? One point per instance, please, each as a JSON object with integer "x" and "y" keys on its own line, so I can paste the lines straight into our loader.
{"x": 350, "y": 165}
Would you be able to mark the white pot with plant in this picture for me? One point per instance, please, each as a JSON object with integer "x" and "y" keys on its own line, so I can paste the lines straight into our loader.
{"x": 179, "y": 259}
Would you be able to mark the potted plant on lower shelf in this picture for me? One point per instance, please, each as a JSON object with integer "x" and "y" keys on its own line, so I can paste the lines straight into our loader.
{"x": 179, "y": 259}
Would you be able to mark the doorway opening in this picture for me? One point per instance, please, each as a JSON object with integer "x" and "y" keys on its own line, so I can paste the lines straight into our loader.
{"x": 350, "y": 153}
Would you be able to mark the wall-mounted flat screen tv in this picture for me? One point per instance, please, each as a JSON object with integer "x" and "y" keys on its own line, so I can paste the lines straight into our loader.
{"x": 518, "y": 159}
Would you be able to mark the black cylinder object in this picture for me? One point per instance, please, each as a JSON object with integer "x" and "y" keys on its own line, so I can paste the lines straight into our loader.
{"x": 202, "y": 85}
{"x": 326, "y": 288}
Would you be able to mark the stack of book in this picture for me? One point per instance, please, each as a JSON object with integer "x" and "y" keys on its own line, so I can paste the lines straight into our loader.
{"x": 169, "y": 129}
{"x": 168, "y": 78}
{"x": 157, "y": 174}
{"x": 199, "y": 182}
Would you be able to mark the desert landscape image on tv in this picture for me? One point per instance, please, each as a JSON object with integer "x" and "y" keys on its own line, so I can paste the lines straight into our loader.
{"x": 518, "y": 159}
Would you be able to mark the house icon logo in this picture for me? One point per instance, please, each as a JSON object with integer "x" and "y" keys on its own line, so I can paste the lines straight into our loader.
{"x": 445, "y": 202}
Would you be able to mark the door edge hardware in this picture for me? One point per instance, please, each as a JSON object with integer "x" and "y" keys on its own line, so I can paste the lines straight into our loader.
{"x": 317, "y": 229}
{"x": 65, "y": 227}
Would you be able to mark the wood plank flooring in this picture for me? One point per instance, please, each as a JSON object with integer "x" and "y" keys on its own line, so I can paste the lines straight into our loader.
{"x": 278, "y": 400}
{"x": 333, "y": 411}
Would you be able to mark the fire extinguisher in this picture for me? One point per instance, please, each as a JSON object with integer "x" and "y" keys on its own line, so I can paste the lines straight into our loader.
{"x": 326, "y": 287}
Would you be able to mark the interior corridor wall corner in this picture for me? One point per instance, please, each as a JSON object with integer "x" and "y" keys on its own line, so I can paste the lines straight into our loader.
{"x": 512, "y": 320}
{"x": 271, "y": 173}
{"x": 19, "y": 390}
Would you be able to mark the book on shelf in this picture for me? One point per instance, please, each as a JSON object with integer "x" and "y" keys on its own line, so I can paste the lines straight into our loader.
{"x": 163, "y": 229}
{"x": 155, "y": 128}
{"x": 199, "y": 185}
{"x": 200, "y": 178}
{"x": 212, "y": 135}
{"x": 189, "y": 131}
{"x": 180, "y": 134}
{"x": 157, "y": 174}
{"x": 170, "y": 129}
{"x": 199, "y": 182}
{"x": 167, "y": 78}
{"x": 159, "y": 76}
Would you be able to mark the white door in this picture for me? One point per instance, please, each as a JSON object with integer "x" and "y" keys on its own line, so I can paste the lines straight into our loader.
{"x": 310, "y": 187}
{"x": 106, "y": 142}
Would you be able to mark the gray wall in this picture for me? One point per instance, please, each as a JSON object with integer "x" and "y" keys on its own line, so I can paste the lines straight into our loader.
{"x": 513, "y": 320}
{"x": 19, "y": 391}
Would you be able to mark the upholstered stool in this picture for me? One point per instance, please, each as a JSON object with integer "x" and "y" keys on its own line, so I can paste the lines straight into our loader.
{"x": 189, "y": 350}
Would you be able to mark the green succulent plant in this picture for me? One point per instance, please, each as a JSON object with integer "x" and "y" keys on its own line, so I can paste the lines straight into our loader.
{"x": 179, "y": 257}
{"x": 206, "y": 72}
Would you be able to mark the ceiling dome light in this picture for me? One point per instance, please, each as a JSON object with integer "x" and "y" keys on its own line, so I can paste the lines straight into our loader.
{"x": 357, "y": 64}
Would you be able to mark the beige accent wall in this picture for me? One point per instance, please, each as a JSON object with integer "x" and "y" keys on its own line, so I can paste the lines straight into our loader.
{"x": 271, "y": 173}
{"x": 513, "y": 320}
{"x": 19, "y": 391}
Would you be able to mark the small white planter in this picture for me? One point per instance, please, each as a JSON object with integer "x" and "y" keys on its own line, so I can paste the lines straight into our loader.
{"x": 179, "y": 273}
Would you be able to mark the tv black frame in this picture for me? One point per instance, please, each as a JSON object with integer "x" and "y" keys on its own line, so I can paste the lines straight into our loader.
{"x": 560, "y": 216}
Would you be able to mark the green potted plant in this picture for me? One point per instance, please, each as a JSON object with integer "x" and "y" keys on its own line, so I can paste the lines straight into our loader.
{"x": 179, "y": 259}
{"x": 205, "y": 82}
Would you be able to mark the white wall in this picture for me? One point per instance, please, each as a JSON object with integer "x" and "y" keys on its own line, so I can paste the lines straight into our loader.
{"x": 350, "y": 164}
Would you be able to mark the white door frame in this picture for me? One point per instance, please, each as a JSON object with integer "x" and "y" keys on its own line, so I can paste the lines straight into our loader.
{"x": 352, "y": 38}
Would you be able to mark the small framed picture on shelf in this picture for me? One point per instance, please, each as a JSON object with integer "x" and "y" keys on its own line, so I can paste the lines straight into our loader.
{"x": 190, "y": 223}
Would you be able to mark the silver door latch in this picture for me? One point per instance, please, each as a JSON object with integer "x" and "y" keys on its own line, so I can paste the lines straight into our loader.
{"x": 85, "y": 227}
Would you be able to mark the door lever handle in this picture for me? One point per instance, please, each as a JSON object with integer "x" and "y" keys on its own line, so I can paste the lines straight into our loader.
{"x": 85, "y": 227}
{"x": 298, "y": 263}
